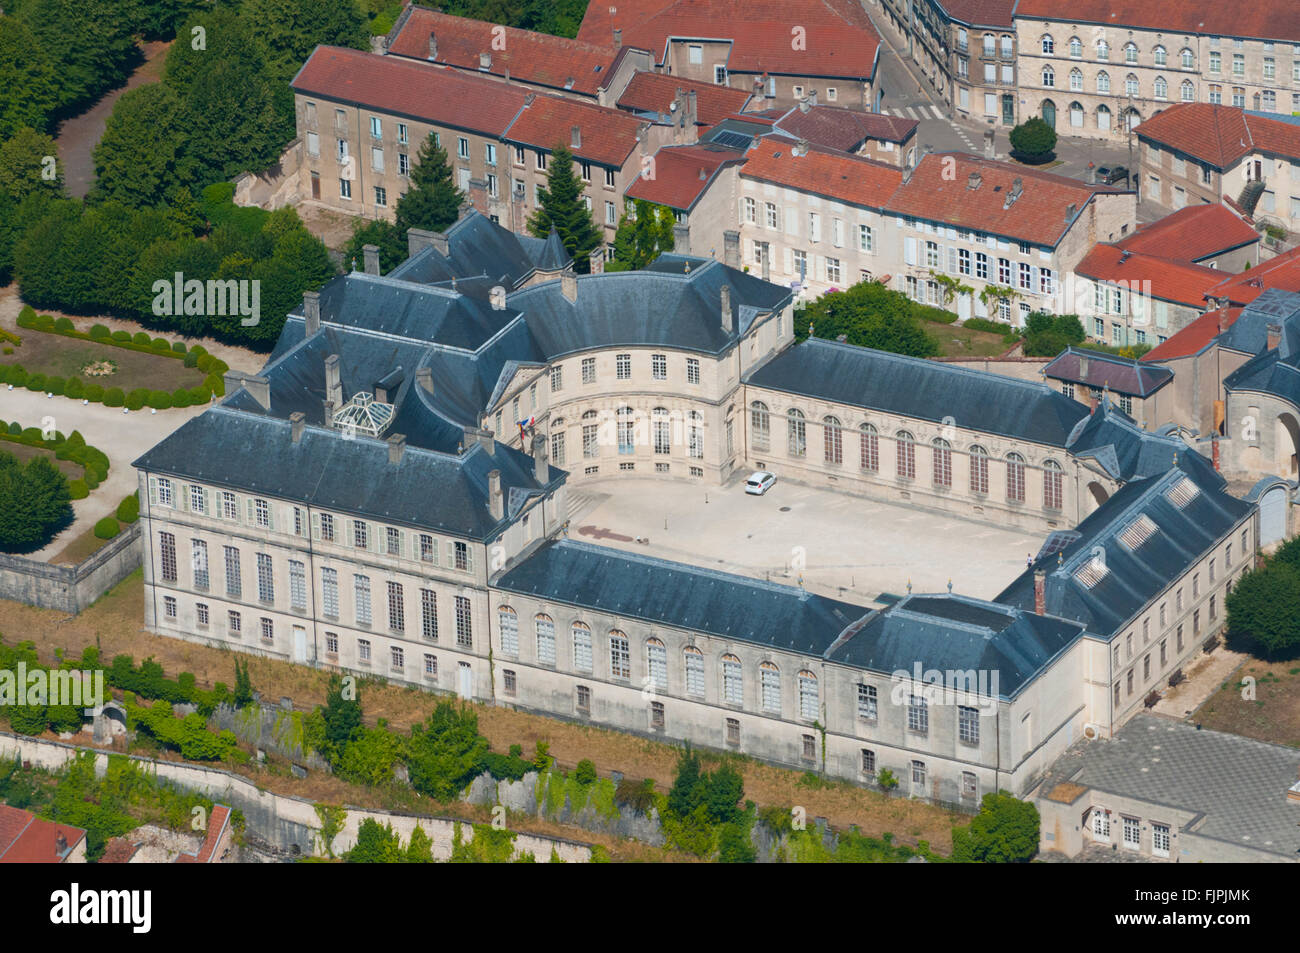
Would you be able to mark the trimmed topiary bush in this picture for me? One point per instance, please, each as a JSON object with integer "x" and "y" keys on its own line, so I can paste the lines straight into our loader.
{"x": 107, "y": 528}
{"x": 55, "y": 385}
{"x": 78, "y": 490}
{"x": 192, "y": 357}
{"x": 178, "y": 347}
{"x": 204, "y": 363}
{"x": 113, "y": 397}
{"x": 159, "y": 400}
{"x": 4, "y": 373}
{"x": 199, "y": 395}
{"x": 17, "y": 375}
{"x": 100, "y": 332}
{"x": 27, "y": 317}
{"x": 74, "y": 388}
{"x": 36, "y": 382}
{"x": 128, "y": 511}
{"x": 140, "y": 337}
{"x": 214, "y": 385}
{"x": 44, "y": 322}
{"x": 94, "y": 393}
{"x": 137, "y": 398}
{"x": 181, "y": 397}
{"x": 161, "y": 345}
{"x": 64, "y": 324}
{"x": 91, "y": 477}
{"x": 121, "y": 337}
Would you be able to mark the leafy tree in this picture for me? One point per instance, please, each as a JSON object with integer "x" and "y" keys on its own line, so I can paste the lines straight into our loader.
{"x": 369, "y": 758}
{"x": 288, "y": 30}
{"x": 561, "y": 207}
{"x": 1005, "y": 831}
{"x": 445, "y": 753}
{"x": 1264, "y": 608}
{"x": 643, "y": 235}
{"x": 723, "y": 790}
{"x": 1033, "y": 140}
{"x": 342, "y": 717}
{"x": 390, "y": 240}
{"x": 1047, "y": 335}
{"x": 734, "y": 845}
{"x": 376, "y": 844}
{"x": 158, "y": 19}
{"x": 34, "y": 503}
{"x": 28, "y": 86}
{"x": 23, "y": 164}
{"x": 140, "y": 158}
{"x": 869, "y": 315}
{"x": 420, "y": 848}
{"x": 90, "y": 41}
{"x": 433, "y": 201}
{"x": 685, "y": 794}
{"x": 243, "y": 684}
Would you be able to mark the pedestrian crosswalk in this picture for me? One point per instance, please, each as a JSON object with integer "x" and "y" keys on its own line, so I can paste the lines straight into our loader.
{"x": 928, "y": 111}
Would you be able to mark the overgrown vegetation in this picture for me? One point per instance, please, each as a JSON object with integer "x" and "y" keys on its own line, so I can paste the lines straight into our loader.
{"x": 1264, "y": 606}
{"x": 869, "y": 315}
{"x": 1005, "y": 831}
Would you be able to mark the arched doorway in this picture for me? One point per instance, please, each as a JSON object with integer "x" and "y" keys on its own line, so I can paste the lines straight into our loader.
{"x": 1287, "y": 444}
{"x": 1130, "y": 120}
{"x": 1099, "y": 494}
{"x": 1103, "y": 118}
{"x": 1049, "y": 113}
{"x": 1076, "y": 115}
{"x": 1272, "y": 515}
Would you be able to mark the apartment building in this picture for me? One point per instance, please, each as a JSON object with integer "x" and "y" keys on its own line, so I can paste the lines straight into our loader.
{"x": 1138, "y": 389}
{"x": 1092, "y": 71}
{"x": 885, "y": 138}
{"x": 698, "y": 182}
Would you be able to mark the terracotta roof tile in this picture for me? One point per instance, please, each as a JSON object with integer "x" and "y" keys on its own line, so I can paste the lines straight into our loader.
{"x": 823, "y": 172}
{"x": 1220, "y": 135}
{"x": 28, "y": 839}
{"x": 1282, "y": 272}
{"x": 1192, "y": 233}
{"x": 654, "y": 92}
{"x": 844, "y": 129}
{"x": 430, "y": 93}
{"x": 1193, "y": 338}
{"x": 980, "y": 12}
{"x": 1180, "y": 282}
{"x": 1266, "y": 19}
{"x": 118, "y": 851}
{"x": 608, "y": 135}
{"x": 841, "y": 42}
{"x": 537, "y": 58}
{"x": 942, "y": 194}
{"x": 677, "y": 182}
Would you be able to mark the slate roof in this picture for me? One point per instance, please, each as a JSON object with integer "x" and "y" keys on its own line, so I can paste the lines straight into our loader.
{"x": 1122, "y": 375}
{"x": 1133, "y": 577}
{"x": 651, "y": 95}
{"x": 1249, "y": 333}
{"x": 1177, "y": 281}
{"x": 957, "y": 633}
{"x": 668, "y": 593}
{"x": 1236, "y": 787}
{"x": 529, "y": 57}
{"x": 844, "y": 129}
{"x": 682, "y": 174}
{"x": 477, "y": 246}
{"x": 1221, "y": 135}
{"x": 939, "y": 191}
{"x": 1191, "y": 234}
{"x": 1125, "y": 451}
{"x": 1268, "y": 19}
{"x": 926, "y": 390}
{"x": 844, "y": 178}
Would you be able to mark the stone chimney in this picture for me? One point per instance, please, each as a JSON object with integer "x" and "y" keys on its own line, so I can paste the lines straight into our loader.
{"x": 496, "y": 501}
{"x": 417, "y": 239}
{"x": 311, "y": 311}
{"x": 1274, "y": 335}
{"x": 297, "y": 420}
{"x": 424, "y": 378}
{"x": 396, "y": 444}
{"x": 439, "y": 241}
{"x": 61, "y": 844}
{"x": 1040, "y": 592}
{"x": 371, "y": 255}
{"x": 805, "y": 104}
{"x": 728, "y": 323}
{"x": 569, "y": 286}
{"x": 485, "y": 61}
{"x": 259, "y": 388}
{"x": 990, "y": 149}
{"x": 1071, "y": 211}
{"x": 541, "y": 462}
{"x": 800, "y": 148}
{"x": 598, "y": 260}
{"x": 974, "y": 181}
{"x": 462, "y": 211}
{"x": 1017, "y": 187}
{"x": 433, "y": 45}
{"x": 333, "y": 383}
{"x": 731, "y": 248}
{"x": 575, "y": 137}
{"x": 483, "y": 438}
{"x": 692, "y": 114}
{"x": 682, "y": 239}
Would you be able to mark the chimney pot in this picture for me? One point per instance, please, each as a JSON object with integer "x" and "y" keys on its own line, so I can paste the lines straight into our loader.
{"x": 371, "y": 255}
{"x": 396, "y": 445}
{"x": 618, "y": 37}
{"x": 296, "y": 422}
{"x": 485, "y": 61}
{"x": 569, "y": 286}
{"x": 974, "y": 181}
{"x": 311, "y": 311}
{"x": 483, "y": 438}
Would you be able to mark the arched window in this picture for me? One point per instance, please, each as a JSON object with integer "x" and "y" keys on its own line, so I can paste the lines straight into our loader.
{"x": 942, "y": 462}
{"x": 1103, "y": 117}
{"x": 656, "y": 663}
{"x": 1128, "y": 121}
{"x": 1130, "y": 53}
{"x": 1076, "y": 115}
{"x": 694, "y": 660}
{"x": 834, "y": 440}
{"x": 1015, "y": 478}
{"x": 769, "y": 678}
{"x": 1161, "y": 87}
{"x": 545, "y": 639}
{"x": 1053, "y": 484}
{"x": 1160, "y": 55}
{"x": 581, "y": 647}
{"x": 590, "y": 435}
{"x": 1076, "y": 47}
{"x": 1007, "y": 47}
{"x": 508, "y": 622}
{"x": 1049, "y": 47}
{"x": 1187, "y": 91}
{"x": 661, "y": 424}
{"x": 620, "y": 657}
{"x": 1076, "y": 80}
{"x": 796, "y": 430}
{"x": 733, "y": 681}
{"x": 695, "y": 435}
{"x": 1188, "y": 59}
{"x": 1131, "y": 87}
{"x": 870, "y": 440}
{"x": 626, "y": 430}
{"x": 906, "y": 455}
{"x": 1049, "y": 76}
{"x": 809, "y": 699}
{"x": 979, "y": 471}
{"x": 1103, "y": 50}
{"x": 1103, "y": 82}
{"x": 760, "y": 425}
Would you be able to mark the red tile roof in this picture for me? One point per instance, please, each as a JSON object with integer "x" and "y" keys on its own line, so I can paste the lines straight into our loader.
{"x": 421, "y": 91}
{"x": 824, "y": 172}
{"x": 980, "y": 12}
{"x": 677, "y": 180}
{"x": 1176, "y": 281}
{"x": 939, "y": 192}
{"x": 1194, "y": 338}
{"x": 537, "y": 58}
{"x": 119, "y": 850}
{"x": 840, "y": 39}
{"x": 1282, "y": 272}
{"x": 844, "y": 129}
{"x": 1266, "y": 19}
{"x": 28, "y": 839}
{"x": 1191, "y": 234}
{"x": 1220, "y": 135}
{"x": 608, "y": 135}
{"x": 654, "y": 92}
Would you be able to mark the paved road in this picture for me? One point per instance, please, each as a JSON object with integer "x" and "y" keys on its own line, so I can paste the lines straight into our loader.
{"x": 122, "y": 436}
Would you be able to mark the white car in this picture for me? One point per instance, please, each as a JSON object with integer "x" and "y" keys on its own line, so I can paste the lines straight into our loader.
{"x": 760, "y": 482}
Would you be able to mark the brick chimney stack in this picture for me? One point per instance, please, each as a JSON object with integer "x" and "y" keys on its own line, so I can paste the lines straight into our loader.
{"x": 1040, "y": 592}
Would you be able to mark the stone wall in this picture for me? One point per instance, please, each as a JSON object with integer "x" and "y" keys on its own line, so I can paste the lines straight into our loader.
{"x": 71, "y": 588}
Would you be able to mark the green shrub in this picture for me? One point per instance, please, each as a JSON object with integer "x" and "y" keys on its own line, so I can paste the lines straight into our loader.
{"x": 199, "y": 395}
{"x": 100, "y": 332}
{"x": 140, "y": 337}
{"x": 204, "y": 362}
{"x": 181, "y": 397}
{"x": 161, "y": 345}
{"x": 107, "y": 528}
{"x": 128, "y": 511}
{"x": 178, "y": 347}
{"x": 78, "y": 490}
{"x": 27, "y": 317}
{"x": 585, "y": 772}
{"x": 218, "y": 367}
{"x": 159, "y": 399}
{"x": 36, "y": 382}
{"x": 984, "y": 324}
{"x": 55, "y": 386}
{"x": 91, "y": 478}
{"x": 137, "y": 398}
{"x": 213, "y": 384}
{"x": 94, "y": 393}
{"x": 15, "y": 429}
{"x": 937, "y": 315}
{"x": 121, "y": 337}
{"x": 74, "y": 388}
{"x": 9, "y": 350}
{"x": 113, "y": 397}
{"x": 17, "y": 376}
{"x": 191, "y": 357}
{"x": 44, "y": 322}
{"x": 64, "y": 324}
{"x": 4, "y": 373}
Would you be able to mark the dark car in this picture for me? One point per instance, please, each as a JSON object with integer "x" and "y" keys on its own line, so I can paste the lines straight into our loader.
{"x": 1109, "y": 175}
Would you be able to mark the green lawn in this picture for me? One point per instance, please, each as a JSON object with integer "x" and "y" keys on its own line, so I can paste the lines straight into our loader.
{"x": 57, "y": 356}
{"x": 957, "y": 341}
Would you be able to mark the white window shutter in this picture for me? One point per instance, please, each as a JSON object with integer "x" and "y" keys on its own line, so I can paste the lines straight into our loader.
{"x": 270, "y": 515}
{"x": 789, "y": 261}
{"x": 183, "y": 492}
{"x": 315, "y": 526}
{"x": 251, "y": 516}
{"x": 952, "y": 260}
{"x": 909, "y": 250}
{"x": 153, "y": 490}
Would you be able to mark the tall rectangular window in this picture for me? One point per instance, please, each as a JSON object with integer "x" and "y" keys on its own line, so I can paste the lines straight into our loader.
{"x": 361, "y": 595}
{"x": 464, "y": 625}
{"x": 329, "y": 592}
{"x": 199, "y": 555}
{"x": 234, "y": 586}
{"x": 620, "y": 658}
{"x": 265, "y": 579}
{"x": 429, "y": 614}
{"x": 396, "y": 607}
{"x": 167, "y": 551}
{"x": 297, "y": 585}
